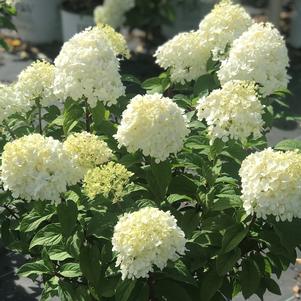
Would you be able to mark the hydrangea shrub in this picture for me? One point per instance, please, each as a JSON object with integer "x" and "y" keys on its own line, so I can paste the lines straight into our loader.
{"x": 162, "y": 190}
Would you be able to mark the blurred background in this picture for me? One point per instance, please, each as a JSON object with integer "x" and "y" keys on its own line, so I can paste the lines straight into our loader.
{"x": 43, "y": 25}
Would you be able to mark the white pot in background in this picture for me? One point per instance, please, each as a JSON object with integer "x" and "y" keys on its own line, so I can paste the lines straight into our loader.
{"x": 38, "y": 21}
{"x": 295, "y": 34}
{"x": 73, "y": 23}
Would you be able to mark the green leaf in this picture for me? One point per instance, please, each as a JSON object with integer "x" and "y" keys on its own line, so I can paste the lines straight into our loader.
{"x": 225, "y": 262}
{"x": 33, "y": 268}
{"x": 156, "y": 84}
{"x": 272, "y": 286}
{"x": 130, "y": 78}
{"x": 67, "y": 292}
{"x": 158, "y": 177}
{"x": 67, "y": 214}
{"x": 101, "y": 123}
{"x": 233, "y": 237}
{"x": 124, "y": 290}
{"x": 249, "y": 278}
{"x": 289, "y": 232}
{"x": 101, "y": 225}
{"x": 82, "y": 293}
{"x": 288, "y": 144}
{"x": 70, "y": 270}
{"x": 74, "y": 243}
{"x": 225, "y": 201}
{"x": 49, "y": 235}
{"x": 47, "y": 260}
{"x": 58, "y": 253}
{"x": 129, "y": 160}
{"x": 140, "y": 292}
{"x": 180, "y": 272}
{"x": 3, "y": 44}
{"x": 204, "y": 83}
{"x": 171, "y": 290}
{"x": 73, "y": 113}
{"x": 33, "y": 220}
{"x": 189, "y": 221}
{"x": 210, "y": 284}
{"x": 90, "y": 265}
{"x": 216, "y": 148}
{"x": 108, "y": 286}
{"x": 196, "y": 256}
{"x": 173, "y": 198}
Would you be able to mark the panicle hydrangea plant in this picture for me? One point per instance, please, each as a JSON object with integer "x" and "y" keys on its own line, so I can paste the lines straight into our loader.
{"x": 161, "y": 190}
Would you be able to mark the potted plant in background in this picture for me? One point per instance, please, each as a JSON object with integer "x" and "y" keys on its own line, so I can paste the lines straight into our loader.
{"x": 76, "y": 15}
{"x": 6, "y": 13}
{"x": 38, "y": 21}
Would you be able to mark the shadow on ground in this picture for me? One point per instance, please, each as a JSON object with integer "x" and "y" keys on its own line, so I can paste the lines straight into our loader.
{"x": 13, "y": 287}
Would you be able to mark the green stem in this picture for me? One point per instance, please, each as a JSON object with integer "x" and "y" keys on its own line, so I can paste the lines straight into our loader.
{"x": 40, "y": 116}
{"x": 151, "y": 283}
{"x": 88, "y": 117}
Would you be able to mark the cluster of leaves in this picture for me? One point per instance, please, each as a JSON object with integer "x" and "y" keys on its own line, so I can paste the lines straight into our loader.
{"x": 6, "y": 12}
{"x": 151, "y": 15}
{"x": 227, "y": 251}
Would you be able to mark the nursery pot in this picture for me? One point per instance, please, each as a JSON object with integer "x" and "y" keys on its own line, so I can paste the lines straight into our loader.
{"x": 73, "y": 23}
{"x": 295, "y": 36}
{"x": 38, "y": 21}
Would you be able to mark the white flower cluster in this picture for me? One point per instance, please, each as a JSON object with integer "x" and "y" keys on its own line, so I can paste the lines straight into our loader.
{"x": 185, "y": 55}
{"x": 225, "y": 23}
{"x": 271, "y": 184}
{"x": 37, "y": 168}
{"x": 234, "y": 111}
{"x": 259, "y": 55}
{"x": 88, "y": 68}
{"x": 9, "y": 103}
{"x": 154, "y": 124}
{"x": 35, "y": 83}
{"x": 112, "y": 12}
{"x": 87, "y": 150}
{"x": 109, "y": 180}
{"x": 144, "y": 239}
{"x": 116, "y": 40}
